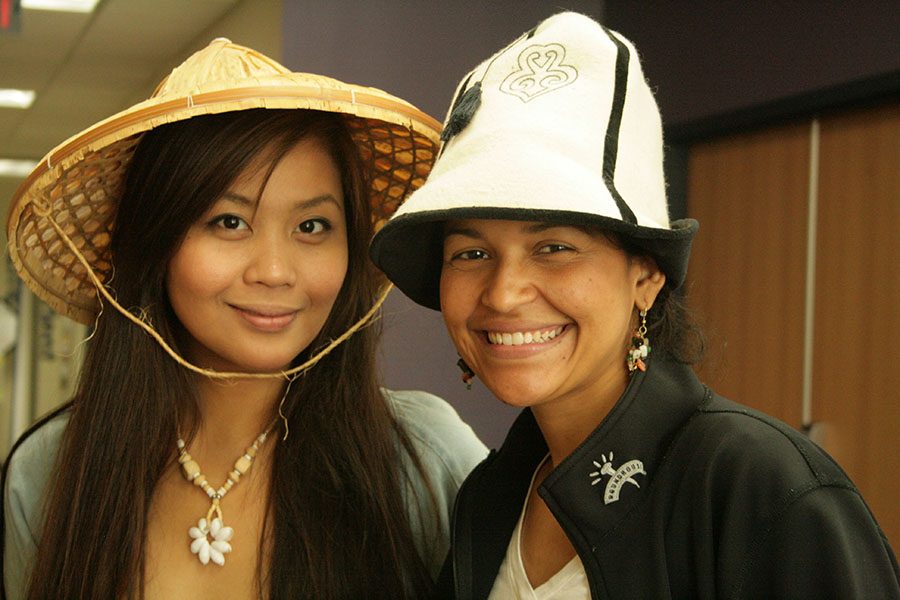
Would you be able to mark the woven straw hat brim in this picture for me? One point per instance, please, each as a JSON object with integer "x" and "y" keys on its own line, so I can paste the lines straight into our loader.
{"x": 410, "y": 246}
{"x": 79, "y": 181}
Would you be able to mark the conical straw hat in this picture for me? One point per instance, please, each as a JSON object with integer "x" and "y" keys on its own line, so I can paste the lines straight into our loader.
{"x": 78, "y": 183}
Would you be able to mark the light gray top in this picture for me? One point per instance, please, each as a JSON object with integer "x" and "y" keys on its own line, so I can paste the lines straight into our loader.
{"x": 447, "y": 448}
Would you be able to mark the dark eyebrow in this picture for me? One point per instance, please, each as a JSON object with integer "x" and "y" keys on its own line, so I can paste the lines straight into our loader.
{"x": 464, "y": 231}
{"x": 238, "y": 199}
{"x": 317, "y": 201}
{"x": 532, "y": 227}
{"x": 299, "y": 205}
{"x": 542, "y": 226}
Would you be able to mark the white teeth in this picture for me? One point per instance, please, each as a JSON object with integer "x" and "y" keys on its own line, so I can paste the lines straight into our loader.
{"x": 527, "y": 337}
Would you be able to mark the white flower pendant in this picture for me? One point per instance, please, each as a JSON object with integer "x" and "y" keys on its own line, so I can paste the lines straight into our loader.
{"x": 214, "y": 549}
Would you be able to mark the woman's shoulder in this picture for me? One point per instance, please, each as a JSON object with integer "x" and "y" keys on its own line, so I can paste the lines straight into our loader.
{"x": 412, "y": 406}
{"x": 447, "y": 450}
{"x": 441, "y": 438}
{"x": 780, "y": 496}
{"x": 26, "y": 474}
{"x": 745, "y": 452}
{"x": 32, "y": 458}
{"x": 39, "y": 444}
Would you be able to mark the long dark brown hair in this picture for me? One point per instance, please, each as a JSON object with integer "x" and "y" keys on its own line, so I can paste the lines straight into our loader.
{"x": 338, "y": 521}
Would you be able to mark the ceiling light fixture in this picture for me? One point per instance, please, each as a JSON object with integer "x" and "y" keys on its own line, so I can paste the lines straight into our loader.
{"x": 13, "y": 167}
{"x": 82, "y": 6}
{"x": 10, "y": 98}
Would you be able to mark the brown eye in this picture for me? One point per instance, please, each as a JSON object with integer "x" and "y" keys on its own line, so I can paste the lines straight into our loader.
{"x": 552, "y": 248}
{"x": 232, "y": 222}
{"x": 314, "y": 226}
{"x": 470, "y": 255}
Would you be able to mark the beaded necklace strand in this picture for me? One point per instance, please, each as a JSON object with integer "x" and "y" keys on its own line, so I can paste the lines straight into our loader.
{"x": 214, "y": 549}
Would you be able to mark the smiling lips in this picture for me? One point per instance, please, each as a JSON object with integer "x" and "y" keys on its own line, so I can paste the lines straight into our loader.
{"x": 267, "y": 319}
{"x": 518, "y": 338}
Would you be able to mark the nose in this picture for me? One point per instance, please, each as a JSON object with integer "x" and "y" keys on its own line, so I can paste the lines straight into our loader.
{"x": 270, "y": 263}
{"x": 508, "y": 286}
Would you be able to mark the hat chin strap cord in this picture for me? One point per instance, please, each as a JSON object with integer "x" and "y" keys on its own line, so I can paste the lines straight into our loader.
{"x": 288, "y": 375}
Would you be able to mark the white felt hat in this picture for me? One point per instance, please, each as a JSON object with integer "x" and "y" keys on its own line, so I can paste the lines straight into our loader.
{"x": 559, "y": 126}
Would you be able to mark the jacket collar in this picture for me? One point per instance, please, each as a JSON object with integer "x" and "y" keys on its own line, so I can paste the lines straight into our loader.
{"x": 614, "y": 468}
{"x": 488, "y": 506}
{"x": 587, "y": 497}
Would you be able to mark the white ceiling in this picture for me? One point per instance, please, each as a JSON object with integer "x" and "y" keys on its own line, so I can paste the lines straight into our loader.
{"x": 85, "y": 67}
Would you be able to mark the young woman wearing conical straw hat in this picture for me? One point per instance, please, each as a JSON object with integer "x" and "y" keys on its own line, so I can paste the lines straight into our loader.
{"x": 228, "y": 437}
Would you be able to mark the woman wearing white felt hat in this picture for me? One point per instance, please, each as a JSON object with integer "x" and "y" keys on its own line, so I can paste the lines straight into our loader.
{"x": 542, "y": 235}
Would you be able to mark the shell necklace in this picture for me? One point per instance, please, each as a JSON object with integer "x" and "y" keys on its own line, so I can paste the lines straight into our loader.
{"x": 215, "y": 548}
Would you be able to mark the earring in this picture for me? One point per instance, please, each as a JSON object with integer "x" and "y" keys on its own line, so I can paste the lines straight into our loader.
{"x": 467, "y": 373}
{"x": 640, "y": 346}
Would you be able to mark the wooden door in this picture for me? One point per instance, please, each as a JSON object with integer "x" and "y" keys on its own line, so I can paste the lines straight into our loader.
{"x": 760, "y": 197}
{"x": 746, "y": 277}
{"x": 856, "y": 374}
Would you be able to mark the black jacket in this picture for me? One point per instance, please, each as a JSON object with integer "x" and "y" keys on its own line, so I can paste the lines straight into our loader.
{"x": 680, "y": 493}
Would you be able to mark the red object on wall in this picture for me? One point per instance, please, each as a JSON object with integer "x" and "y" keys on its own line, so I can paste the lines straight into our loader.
{"x": 9, "y": 15}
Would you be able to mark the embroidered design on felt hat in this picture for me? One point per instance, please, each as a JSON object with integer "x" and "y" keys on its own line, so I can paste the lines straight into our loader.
{"x": 78, "y": 182}
{"x": 541, "y": 69}
{"x": 558, "y": 126}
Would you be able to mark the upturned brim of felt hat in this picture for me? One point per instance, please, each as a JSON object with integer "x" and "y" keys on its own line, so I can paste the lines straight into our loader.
{"x": 409, "y": 248}
{"x": 78, "y": 183}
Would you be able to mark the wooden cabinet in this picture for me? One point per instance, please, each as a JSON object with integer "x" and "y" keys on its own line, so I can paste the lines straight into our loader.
{"x": 798, "y": 257}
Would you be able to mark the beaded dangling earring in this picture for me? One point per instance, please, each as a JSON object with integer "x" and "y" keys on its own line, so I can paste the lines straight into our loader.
{"x": 467, "y": 373}
{"x": 640, "y": 346}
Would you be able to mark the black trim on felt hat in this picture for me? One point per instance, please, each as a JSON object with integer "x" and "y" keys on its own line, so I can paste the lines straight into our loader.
{"x": 615, "y": 121}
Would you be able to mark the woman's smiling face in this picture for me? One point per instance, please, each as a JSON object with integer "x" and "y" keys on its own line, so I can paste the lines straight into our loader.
{"x": 255, "y": 278}
{"x": 543, "y": 313}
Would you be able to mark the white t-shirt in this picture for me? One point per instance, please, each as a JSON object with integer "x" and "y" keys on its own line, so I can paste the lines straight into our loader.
{"x": 569, "y": 583}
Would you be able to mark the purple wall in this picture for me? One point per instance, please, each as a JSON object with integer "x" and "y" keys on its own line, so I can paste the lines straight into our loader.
{"x": 704, "y": 58}
{"x": 418, "y": 50}
{"x": 715, "y": 57}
